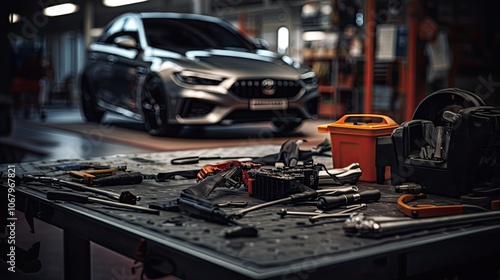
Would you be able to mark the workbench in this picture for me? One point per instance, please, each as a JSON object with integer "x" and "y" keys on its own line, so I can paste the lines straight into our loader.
{"x": 286, "y": 247}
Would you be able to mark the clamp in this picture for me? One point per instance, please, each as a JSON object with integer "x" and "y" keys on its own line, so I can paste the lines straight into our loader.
{"x": 430, "y": 210}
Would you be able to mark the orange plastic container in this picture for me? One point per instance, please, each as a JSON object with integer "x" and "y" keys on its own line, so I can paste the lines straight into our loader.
{"x": 354, "y": 138}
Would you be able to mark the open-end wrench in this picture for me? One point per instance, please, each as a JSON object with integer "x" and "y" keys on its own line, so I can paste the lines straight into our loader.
{"x": 293, "y": 198}
{"x": 283, "y": 212}
{"x": 342, "y": 214}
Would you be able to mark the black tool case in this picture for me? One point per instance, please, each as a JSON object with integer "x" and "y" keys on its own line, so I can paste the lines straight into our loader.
{"x": 451, "y": 145}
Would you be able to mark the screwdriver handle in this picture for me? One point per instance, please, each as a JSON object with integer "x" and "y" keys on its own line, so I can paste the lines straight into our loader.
{"x": 67, "y": 196}
{"x": 122, "y": 179}
{"x": 331, "y": 202}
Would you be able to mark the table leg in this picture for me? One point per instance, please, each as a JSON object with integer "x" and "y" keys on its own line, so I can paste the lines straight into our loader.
{"x": 76, "y": 257}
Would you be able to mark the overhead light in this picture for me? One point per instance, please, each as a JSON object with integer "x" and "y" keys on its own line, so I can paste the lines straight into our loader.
{"x": 313, "y": 35}
{"x": 13, "y": 18}
{"x": 59, "y": 10}
{"x": 283, "y": 39}
{"x": 116, "y": 3}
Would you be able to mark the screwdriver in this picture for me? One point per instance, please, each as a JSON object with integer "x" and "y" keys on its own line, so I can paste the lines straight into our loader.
{"x": 79, "y": 166}
{"x": 118, "y": 179}
{"x": 82, "y": 198}
{"x": 125, "y": 197}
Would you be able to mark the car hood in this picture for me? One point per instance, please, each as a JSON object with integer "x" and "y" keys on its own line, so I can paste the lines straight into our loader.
{"x": 241, "y": 64}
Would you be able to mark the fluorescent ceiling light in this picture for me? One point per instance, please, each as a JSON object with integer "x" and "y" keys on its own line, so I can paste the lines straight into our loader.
{"x": 59, "y": 10}
{"x": 283, "y": 39}
{"x": 13, "y": 18}
{"x": 116, "y": 3}
{"x": 313, "y": 35}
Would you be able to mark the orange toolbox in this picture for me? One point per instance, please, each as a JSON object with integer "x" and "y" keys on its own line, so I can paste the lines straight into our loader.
{"x": 354, "y": 139}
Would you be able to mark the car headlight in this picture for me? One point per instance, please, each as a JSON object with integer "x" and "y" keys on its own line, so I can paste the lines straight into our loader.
{"x": 310, "y": 80}
{"x": 288, "y": 60}
{"x": 194, "y": 78}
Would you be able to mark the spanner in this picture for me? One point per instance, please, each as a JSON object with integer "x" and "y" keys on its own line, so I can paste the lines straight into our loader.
{"x": 341, "y": 214}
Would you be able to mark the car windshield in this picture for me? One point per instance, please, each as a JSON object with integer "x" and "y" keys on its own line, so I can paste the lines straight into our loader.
{"x": 181, "y": 35}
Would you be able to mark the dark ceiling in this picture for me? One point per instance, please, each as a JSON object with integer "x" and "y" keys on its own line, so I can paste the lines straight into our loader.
{"x": 33, "y": 18}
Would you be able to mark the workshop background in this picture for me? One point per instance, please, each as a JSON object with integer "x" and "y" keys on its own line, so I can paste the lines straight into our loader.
{"x": 370, "y": 56}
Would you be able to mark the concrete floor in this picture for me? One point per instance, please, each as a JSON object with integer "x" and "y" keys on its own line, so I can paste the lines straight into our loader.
{"x": 64, "y": 135}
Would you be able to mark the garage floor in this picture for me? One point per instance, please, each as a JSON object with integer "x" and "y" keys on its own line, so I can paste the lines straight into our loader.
{"x": 63, "y": 134}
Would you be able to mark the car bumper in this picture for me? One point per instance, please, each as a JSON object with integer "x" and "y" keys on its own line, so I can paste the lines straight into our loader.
{"x": 199, "y": 107}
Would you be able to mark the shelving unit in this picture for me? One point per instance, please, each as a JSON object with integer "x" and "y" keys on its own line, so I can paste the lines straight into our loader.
{"x": 326, "y": 66}
{"x": 329, "y": 55}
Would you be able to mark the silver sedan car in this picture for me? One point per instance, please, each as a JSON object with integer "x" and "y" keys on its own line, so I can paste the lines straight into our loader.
{"x": 170, "y": 70}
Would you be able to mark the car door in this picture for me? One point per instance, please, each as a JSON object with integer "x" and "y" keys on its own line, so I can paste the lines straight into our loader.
{"x": 100, "y": 64}
{"x": 129, "y": 67}
{"x": 118, "y": 66}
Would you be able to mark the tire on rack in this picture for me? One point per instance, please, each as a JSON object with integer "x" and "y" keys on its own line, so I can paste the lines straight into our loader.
{"x": 90, "y": 109}
{"x": 154, "y": 109}
{"x": 281, "y": 125}
{"x": 433, "y": 106}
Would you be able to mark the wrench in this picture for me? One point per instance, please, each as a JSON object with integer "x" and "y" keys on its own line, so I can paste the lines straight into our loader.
{"x": 283, "y": 212}
{"x": 340, "y": 214}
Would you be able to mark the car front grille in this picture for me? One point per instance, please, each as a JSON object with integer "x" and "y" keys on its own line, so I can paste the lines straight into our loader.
{"x": 254, "y": 89}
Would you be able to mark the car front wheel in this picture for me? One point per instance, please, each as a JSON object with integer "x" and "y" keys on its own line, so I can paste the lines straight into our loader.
{"x": 154, "y": 109}
{"x": 90, "y": 110}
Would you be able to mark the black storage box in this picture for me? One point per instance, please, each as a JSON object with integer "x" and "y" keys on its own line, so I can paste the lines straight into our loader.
{"x": 452, "y": 152}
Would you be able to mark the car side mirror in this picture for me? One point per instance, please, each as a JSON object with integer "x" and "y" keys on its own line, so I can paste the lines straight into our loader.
{"x": 126, "y": 41}
{"x": 260, "y": 43}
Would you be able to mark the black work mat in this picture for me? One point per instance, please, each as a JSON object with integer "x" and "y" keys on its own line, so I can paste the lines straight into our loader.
{"x": 281, "y": 240}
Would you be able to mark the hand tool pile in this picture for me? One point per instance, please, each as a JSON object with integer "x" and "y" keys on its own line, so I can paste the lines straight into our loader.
{"x": 292, "y": 181}
{"x": 85, "y": 182}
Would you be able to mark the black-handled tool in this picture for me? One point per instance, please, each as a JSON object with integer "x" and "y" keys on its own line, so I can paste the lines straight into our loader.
{"x": 124, "y": 197}
{"x": 412, "y": 188}
{"x": 80, "y": 166}
{"x": 119, "y": 179}
{"x": 331, "y": 202}
{"x": 191, "y": 160}
{"x": 203, "y": 208}
{"x": 82, "y": 198}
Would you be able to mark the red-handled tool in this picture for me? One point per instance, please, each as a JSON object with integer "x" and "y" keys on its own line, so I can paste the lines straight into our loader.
{"x": 431, "y": 210}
